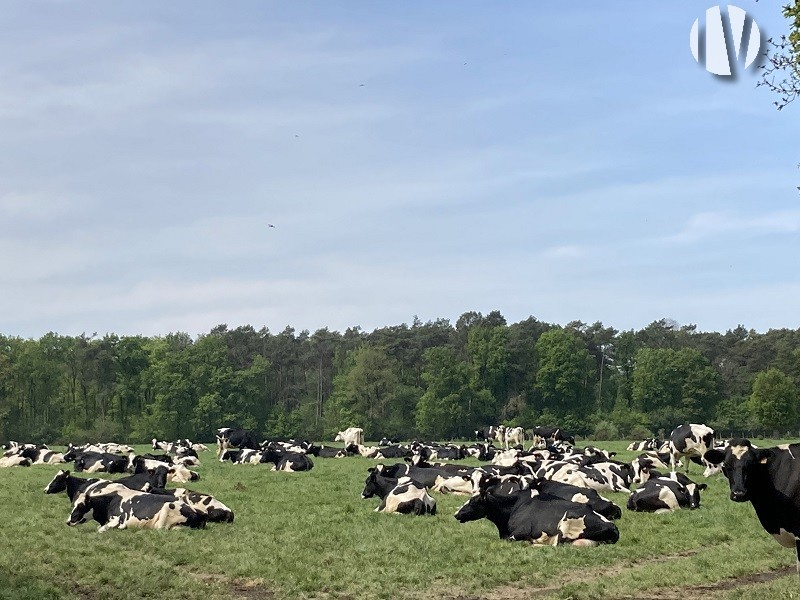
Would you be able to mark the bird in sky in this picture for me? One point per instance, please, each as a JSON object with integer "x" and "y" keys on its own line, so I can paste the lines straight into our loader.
{"x": 270, "y": 225}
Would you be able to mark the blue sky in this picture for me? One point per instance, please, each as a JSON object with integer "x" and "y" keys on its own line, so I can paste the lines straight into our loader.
{"x": 561, "y": 160}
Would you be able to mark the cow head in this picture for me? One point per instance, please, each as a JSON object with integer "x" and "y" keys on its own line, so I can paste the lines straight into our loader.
{"x": 58, "y": 483}
{"x": 476, "y": 507}
{"x": 371, "y": 487}
{"x": 693, "y": 492}
{"x": 741, "y": 463}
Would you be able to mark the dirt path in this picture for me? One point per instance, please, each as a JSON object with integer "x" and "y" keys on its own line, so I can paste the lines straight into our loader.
{"x": 683, "y": 592}
{"x": 656, "y": 593}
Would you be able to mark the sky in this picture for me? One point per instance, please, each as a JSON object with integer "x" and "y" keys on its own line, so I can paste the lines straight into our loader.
{"x": 174, "y": 166}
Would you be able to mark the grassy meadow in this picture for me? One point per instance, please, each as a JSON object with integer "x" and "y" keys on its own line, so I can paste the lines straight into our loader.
{"x": 310, "y": 535}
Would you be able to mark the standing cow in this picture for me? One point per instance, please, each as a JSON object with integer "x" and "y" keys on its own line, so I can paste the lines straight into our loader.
{"x": 351, "y": 435}
{"x": 689, "y": 440}
{"x": 769, "y": 478}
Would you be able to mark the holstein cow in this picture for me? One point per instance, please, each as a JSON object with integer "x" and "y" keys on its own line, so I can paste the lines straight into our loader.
{"x": 514, "y": 436}
{"x": 770, "y": 479}
{"x": 401, "y": 495}
{"x": 544, "y": 435}
{"x": 64, "y": 482}
{"x": 491, "y": 433}
{"x": 351, "y": 435}
{"x": 666, "y": 494}
{"x": 689, "y": 440}
{"x": 97, "y": 462}
{"x": 573, "y": 493}
{"x": 236, "y": 438}
{"x": 287, "y": 461}
{"x": 115, "y": 506}
{"x": 15, "y": 461}
{"x": 536, "y": 518}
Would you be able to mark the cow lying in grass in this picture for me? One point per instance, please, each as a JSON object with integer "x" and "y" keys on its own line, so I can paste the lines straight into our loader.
{"x": 401, "y": 495}
{"x": 537, "y": 518}
{"x": 115, "y": 506}
{"x": 152, "y": 482}
{"x": 661, "y": 494}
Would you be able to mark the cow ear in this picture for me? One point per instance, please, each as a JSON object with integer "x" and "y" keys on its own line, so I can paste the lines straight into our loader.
{"x": 371, "y": 470}
{"x": 701, "y": 486}
{"x": 715, "y": 456}
{"x": 764, "y": 455}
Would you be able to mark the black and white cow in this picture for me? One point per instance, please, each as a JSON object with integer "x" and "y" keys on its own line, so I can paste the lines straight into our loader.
{"x": 228, "y": 437}
{"x": 769, "y": 478}
{"x": 690, "y": 440}
{"x": 291, "y": 462}
{"x": 115, "y": 506}
{"x": 64, "y": 482}
{"x": 100, "y": 462}
{"x": 514, "y": 436}
{"x": 573, "y": 493}
{"x": 542, "y": 436}
{"x": 327, "y": 452}
{"x": 666, "y": 493}
{"x": 491, "y": 433}
{"x": 536, "y": 518}
{"x": 15, "y": 460}
{"x": 648, "y": 444}
{"x": 398, "y": 495}
{"x": 176, "y": 473}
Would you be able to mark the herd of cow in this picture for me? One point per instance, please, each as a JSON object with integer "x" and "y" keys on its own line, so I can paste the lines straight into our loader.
{"x": 548, "y": 494}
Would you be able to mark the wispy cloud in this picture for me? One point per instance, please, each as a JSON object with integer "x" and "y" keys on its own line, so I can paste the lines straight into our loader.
{"x": 720, "y": 224}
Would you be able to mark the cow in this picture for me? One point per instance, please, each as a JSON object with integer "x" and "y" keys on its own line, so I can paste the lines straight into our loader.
{"x": 291, "y": 462}
{"x": 351, "y": 435}
{"x": 237, "y": 438}
{"x": 689, "y": 440}
{"x": 327, "y": 452}
{"x": 514, "y": 436}
{"x": 215, "y": 511}
{"x": 491, "y": 433}
{"x": 661, "y": 494}
{"x": 15, "y": 461}
{"x": 648, "y": 444}
{"x": 398, "y": 495}
{"x": 536, "y": 518}
{"x": 97, "y": 462}
{"x": 544, "y": 435}
{"x": 769, "y": 478}
{"x": 64, "y": 482}
{"x": 115, "y": 506}
{"x": 596, "y": 502}
{"x": 176, "y": 473}
{"x": 392, "y": 452}
{"x": 385, "y": 441}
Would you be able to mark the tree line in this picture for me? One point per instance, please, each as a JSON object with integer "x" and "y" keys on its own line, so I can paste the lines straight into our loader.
{"x": 431, "y": 380}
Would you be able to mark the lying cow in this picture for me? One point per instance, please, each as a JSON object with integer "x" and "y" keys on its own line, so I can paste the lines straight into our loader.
{"x": 662, "y": 494}
{"x": 115, "y": 506}
{"x": 287, "y": 461}
{"x": 536, "y": 518}
{"x": 401, "y": 495}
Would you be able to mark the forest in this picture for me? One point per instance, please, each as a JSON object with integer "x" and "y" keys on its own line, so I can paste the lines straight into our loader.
{"x": 428, "y": 380}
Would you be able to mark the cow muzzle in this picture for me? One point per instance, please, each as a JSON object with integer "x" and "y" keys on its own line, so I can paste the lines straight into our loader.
{"x": 739, "y": 495}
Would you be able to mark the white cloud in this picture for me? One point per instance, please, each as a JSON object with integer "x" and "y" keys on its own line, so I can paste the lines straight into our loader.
{"x": 719, "y": 224}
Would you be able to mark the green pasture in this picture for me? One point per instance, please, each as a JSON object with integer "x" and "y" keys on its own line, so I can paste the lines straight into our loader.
{"x": 310, "y": 535}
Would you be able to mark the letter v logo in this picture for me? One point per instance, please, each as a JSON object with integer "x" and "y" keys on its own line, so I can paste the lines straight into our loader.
{"x": 712, "y": 38}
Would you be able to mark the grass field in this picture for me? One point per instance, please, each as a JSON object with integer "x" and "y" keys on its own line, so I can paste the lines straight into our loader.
{"x": 310, "y": 535}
